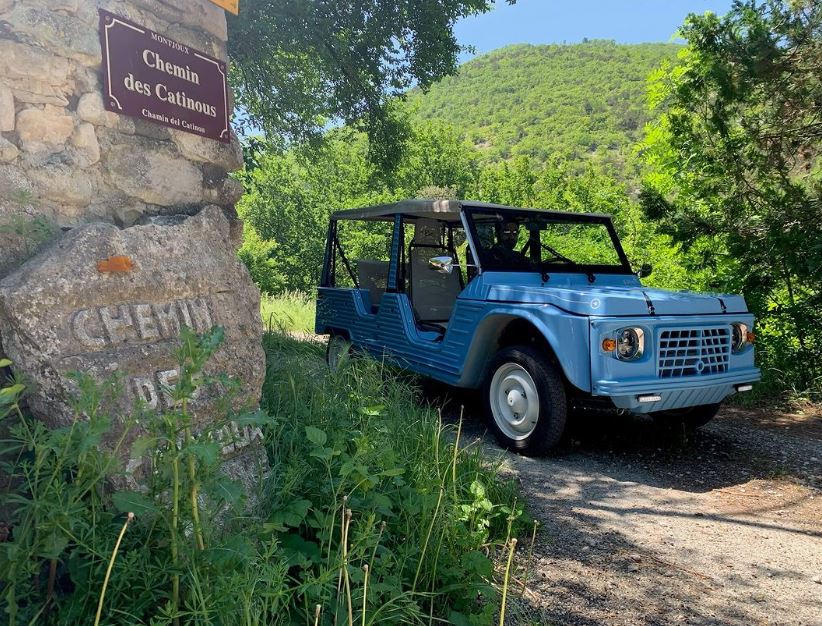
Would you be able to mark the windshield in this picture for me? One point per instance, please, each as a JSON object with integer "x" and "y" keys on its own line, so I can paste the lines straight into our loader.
{"x": 525, "y": 241}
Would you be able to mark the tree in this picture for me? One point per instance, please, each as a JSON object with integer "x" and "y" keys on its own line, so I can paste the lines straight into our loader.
{"x": 288, "y": 200}
{"x": 735, "y": 151}
{"x": 298, "y": 65}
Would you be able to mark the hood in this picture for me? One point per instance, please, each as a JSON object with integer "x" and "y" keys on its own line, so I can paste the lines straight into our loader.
{"x": 609, "y": 296}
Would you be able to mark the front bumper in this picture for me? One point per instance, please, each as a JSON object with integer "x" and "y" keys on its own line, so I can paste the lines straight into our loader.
{"x": 674, "y": 394}
{"x": 650, "y": 375}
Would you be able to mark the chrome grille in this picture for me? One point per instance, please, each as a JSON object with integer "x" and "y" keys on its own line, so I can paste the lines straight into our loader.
{"x": 694, "y": 351}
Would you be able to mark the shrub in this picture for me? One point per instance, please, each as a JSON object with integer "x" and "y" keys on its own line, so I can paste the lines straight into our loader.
{"x": 360, "y": 475}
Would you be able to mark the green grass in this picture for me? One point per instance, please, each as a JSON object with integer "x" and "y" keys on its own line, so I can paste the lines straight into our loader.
{"x": 292, "y": 311}
{"x": 361, "y": 474}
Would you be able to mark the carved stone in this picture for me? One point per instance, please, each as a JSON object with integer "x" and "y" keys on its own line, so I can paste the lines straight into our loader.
{"x": 59, "y": 313}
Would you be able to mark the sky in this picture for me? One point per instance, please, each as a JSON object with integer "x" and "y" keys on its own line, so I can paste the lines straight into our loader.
{"x": 557, "y": 21}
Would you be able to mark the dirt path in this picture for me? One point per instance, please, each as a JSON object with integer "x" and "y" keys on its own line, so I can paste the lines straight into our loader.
{"x": 640, "y": 526}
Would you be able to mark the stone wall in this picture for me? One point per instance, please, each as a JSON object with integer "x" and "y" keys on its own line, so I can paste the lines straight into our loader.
{"x": 116, "y": 233}
{"x": 64, "y": 159}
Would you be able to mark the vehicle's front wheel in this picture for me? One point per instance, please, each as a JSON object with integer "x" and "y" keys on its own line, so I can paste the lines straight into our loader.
{"x": 525, "y": 400}
{"x": 339, "y": 348}
{"x": 690, "y": 418}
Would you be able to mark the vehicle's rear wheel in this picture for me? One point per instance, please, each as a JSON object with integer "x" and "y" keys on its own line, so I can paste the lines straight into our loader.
{"x": 338, "y": 349}
{"x": 691, "y": 417}
{"x": 525, "y": 400}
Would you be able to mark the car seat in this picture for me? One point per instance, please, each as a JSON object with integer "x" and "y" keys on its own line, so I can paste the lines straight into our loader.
{"x": 372, "y": 277}
{"x": 432, "y": 294}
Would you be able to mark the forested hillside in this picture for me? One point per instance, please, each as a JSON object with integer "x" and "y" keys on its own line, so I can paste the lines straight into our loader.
{"x": 584, "y": 101}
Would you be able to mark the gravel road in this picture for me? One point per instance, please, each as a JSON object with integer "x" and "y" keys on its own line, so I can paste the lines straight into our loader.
{"x": 643, "y": 526}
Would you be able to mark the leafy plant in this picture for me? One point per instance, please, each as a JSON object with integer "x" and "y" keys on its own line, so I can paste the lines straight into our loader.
{"x": 32, "y": 230}
{"x": 423, "y": 515}
{"x": 362, "y": 512}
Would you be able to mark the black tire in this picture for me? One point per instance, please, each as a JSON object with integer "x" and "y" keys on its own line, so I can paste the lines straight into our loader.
{"x": 540, "y": 430}
{"x": 689, "y": 418}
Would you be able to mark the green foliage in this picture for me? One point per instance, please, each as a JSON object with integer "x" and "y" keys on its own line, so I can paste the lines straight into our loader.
{"x": 555, "y": 187}
{"x": 359, "y": 475}
{"x": 33, "y": 231}
{"x": 735, "y": 172}
{"x": 583, "y": 102}
{"x": 424, "y": 514}
{"x": 296, "y": 64}
{"x": 289, "y": 198}
{"x": 57, "y": 509}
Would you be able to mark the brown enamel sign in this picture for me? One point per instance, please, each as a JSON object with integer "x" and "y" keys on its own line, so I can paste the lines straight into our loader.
{"x": 148, "y": 75}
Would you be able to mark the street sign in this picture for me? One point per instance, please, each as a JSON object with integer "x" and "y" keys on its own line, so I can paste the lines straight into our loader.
{"x": 149, "y": 76}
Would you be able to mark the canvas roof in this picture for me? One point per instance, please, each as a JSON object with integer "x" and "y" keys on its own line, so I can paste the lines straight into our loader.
{"x": 446, "y": 210}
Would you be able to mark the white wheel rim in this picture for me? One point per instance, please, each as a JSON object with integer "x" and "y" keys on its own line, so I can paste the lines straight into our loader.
{"x": 514, "y": 401}
{"x": 338, "y": 348}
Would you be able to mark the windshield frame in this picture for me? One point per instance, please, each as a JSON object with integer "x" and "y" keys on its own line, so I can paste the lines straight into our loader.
{"x": 552, "y": 216}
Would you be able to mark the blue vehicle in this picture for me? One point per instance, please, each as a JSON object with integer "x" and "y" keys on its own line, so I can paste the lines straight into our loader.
{"x": 539, "y": 309}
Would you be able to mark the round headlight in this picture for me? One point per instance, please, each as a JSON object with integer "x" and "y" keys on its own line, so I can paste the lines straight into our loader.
{"x": 630, "y": 343}
{"x": 739, "y": 336}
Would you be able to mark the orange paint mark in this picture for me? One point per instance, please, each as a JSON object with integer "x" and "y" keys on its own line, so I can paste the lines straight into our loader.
{"x": 115, "y": 264}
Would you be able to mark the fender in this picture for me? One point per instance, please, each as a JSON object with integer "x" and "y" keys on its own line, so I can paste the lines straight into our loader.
{"x": 566, "y": 335}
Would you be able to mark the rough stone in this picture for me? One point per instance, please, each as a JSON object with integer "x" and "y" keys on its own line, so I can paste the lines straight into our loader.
{"x": 14, "y": 186}
{"x": 62, "y": 184}
{"x": 43, "y": 131}
{"x": 200, "y": 14}
{"x": 227, "y": 156}
{"x": 227, "y": 192}
{"x": 86, "y": 80}
{"x": 19, "y": 61}
{"x": 6, "y": 109}
{"x": 8, "y": 151}
{"x": 16, "y": 243}
{"x": 145, "y": 128}
{"x": 38, "y": 93}
{"x": 77, "y": 162}
{"x": 90, "y": 109}
{"x": 125, "y": 216}
{"x": 154, "y": 174}
{"x": 85, "y": 141}
{"x": 60, "y": 314}
{"x": 70, "y": 6}
{"x": 64, "y": 35}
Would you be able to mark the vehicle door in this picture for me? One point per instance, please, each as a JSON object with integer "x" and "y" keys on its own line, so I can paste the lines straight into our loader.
{"x": 354, "y": 285}
{"x": 414, "y": 322}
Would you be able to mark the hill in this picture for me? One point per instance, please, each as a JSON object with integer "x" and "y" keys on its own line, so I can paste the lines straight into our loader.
{"x": 581, "y": 101}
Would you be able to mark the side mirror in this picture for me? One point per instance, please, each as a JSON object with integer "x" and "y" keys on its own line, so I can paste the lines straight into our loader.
{"x": 645, "y": 270}
{"x": 442, "y": 264}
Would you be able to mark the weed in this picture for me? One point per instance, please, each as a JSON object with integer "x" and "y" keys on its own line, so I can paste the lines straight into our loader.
{"x": 33, "y": 231}
{"x": 292, "y": 311}
{"x": 369, "y": 513}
